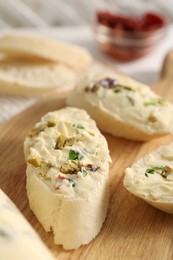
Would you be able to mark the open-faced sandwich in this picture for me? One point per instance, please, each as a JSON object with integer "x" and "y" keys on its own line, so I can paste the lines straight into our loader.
{"x": 151, "y": 178}
{"x": 67, "y": 176}
{"x": 123, "y": 107}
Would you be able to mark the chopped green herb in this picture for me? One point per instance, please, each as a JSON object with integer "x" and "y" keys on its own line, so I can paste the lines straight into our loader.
{"x": 79, "y": 126}
{"x": 149, "y": 171}
{"x": 74, "y": 155}
{"x": 150, "y": 103}
{"x": 160, "y": 101}
{"x": 73, "y": 182}
{"x": 158, "y": 168}
{"x": 85, "y": 173}
{"x": 164, "y": 171}
{"x": 118, "y": 88}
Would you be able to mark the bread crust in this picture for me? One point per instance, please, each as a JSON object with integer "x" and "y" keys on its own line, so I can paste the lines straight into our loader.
{"x": 24, "y": 45}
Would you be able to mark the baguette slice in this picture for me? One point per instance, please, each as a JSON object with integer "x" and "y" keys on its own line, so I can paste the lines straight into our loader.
{"x": 67, "y": 176}
{"x": 34, "y": 77}
{"x": 123, "y": 107}
{"x": 18, "y": 240}
{"x": 151, "y": 178}
{"x": 24, "y": 45}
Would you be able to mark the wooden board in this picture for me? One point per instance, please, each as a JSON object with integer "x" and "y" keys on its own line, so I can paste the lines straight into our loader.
{"x": 133, "y": 229}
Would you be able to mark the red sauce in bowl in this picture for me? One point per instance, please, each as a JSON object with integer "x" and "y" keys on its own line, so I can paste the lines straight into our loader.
{"x": 127, "y": 38}
{"x": 148, "y": 22}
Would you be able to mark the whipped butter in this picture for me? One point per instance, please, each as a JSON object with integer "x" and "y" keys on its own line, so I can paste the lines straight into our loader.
{"x": 18, "y": 240}
{"x": 151, "y": 178}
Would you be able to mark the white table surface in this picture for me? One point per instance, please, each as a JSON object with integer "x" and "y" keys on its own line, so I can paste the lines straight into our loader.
{"x": 145, "y": 69}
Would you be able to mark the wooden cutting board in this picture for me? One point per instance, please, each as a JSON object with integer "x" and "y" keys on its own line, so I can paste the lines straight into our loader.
{"x": 133, "y": 229}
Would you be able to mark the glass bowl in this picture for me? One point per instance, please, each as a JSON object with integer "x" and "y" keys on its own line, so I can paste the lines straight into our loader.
{"x": 128, "y": 45}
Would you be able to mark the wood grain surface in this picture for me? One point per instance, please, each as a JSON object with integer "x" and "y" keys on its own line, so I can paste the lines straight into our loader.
{"x": 133, "y": 229}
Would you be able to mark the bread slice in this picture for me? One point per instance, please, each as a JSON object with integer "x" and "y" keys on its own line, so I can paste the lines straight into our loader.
{"x": 67, "y": 176}
{"x": 34, "y": 77}
{"x": 26, "y": 45}
{"x": 151, "y": 178}
{"x": 123, "y": 107}
{"x": 18, "y": 240}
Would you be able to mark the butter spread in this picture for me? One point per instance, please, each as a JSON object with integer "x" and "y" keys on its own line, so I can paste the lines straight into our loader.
{"x": 67, "y": 176}
{"x": 18, "y": 240}
{"x": 152, "y": 176}
{"x": 60, "y": 137}
{"x": 129, "y": 101}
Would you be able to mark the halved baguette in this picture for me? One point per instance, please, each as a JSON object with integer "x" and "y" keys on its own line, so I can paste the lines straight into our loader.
{"x": 18, "y": 240}
{"x": 123, "y": 107}
{"x": 34, "y": 77}
{"x": 26, "y": 45}
{"x": 67, "y": 176}
{"x": 151, "y": 178}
